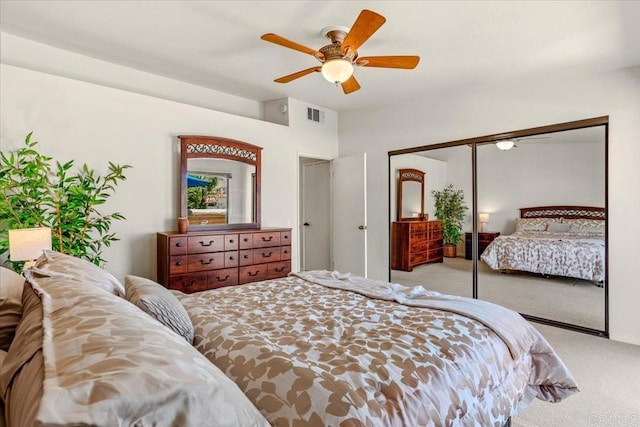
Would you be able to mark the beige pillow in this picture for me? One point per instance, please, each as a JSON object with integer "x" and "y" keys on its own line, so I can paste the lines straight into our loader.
{"x": 155, "y": 300}
{"x": 56, "y": 264}
{"x": 11, "y": 285}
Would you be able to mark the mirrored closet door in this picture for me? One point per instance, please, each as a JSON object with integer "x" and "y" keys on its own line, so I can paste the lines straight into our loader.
{"x": 534, "y": 235}
{"x": 422, "y": 249}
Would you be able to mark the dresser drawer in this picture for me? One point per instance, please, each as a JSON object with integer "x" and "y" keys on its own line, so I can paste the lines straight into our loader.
{"x": 178, "y": 264}
{"x": 285, "y": 253}
{"x": 246, "y": 257}
{"x": 419, "y": 246}
{"x": 417, "y": 258}
{"x": 231, "y": 259}
{"x": 266, "y": 255}
{"x": 231, "y": 242}
{"x": 278, "y": 269}
{"x": 189, "y": 282}
{"x": 204, "y": 262}
{"x": 246, "y": 241}
{"x": 252, "y": 273}
{"x": 177, "y": 245}
{"x": 206, "y": 243}
{"x": 263, "y": 240}
{"x": 220, "y": 278}
{"x": 285, "y": 238}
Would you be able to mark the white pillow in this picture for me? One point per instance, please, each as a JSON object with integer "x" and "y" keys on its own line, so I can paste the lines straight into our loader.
{"x": 558, "y": 227}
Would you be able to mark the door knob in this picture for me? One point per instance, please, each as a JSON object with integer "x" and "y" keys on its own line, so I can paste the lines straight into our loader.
{"x": 362, "y": 227}
{"x": 306, "y": 224}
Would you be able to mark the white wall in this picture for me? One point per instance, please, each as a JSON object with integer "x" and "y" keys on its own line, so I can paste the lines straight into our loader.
{"x": 94, "y": 124}
{"x": 511, "y": 106}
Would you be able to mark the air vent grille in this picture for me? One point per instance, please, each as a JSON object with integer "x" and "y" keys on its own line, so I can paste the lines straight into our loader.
{"x": 314, "y": 115}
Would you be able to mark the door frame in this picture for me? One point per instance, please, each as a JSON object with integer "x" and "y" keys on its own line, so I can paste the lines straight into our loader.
{"x": 299, "y": 197}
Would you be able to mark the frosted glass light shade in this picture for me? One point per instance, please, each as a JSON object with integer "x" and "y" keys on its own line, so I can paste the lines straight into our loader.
{"x": 505, "y": 145}
{"x": 483, "y": 217}
{"x": 28, "y": 243}
{"x": 337, "y": 70}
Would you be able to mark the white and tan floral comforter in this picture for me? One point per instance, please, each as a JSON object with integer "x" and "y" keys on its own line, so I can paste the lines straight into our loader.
{"x": 569, "y": 254}
{"x": 307, "y": 352}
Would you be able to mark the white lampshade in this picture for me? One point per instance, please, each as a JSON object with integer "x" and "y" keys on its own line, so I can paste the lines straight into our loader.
{"x": 28, "y": 243}
{"x": 483, "y": 217}
{"x": 505, "y": 145}
{"x": 337, "y": 70}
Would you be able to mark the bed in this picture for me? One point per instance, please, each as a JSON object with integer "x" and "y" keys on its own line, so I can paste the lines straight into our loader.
{"x": 566, "y": 241}
{"x": 316, "y": 348}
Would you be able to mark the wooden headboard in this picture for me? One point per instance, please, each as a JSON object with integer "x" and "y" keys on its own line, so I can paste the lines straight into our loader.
{"x": 572, "y": 212}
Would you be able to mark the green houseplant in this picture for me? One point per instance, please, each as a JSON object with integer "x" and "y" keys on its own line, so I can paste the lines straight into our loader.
{"x": 36, "y": 192}
{"x": 450, "y": 209}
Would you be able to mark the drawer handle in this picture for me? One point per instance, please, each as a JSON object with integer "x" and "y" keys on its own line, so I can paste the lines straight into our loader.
{"x": 206, "y": 244}
{"x": 279, "y": 270}
{"x": 222, "y": 280}
{"x": 266, "y": 255}
{"x": 188, "y": 285}
{"x": 245, "y": 239}
{"x": 231, "y": 258}
{"x": 231, "y": 241}
{"x": 254, "y": 274}
{"x": 178, "y": 244}
{"x": 286, "y": 251}
{"x": 264, "y": 239}
{"x": 203, "y": 262}
{"x": 178, "y": 263}
{"x": 286, "y": 236}
{"x": 246, "y": 257}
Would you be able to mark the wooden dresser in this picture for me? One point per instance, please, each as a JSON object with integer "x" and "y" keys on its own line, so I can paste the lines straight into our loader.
{"x": 415, "y": 243}
{"x": 198, "y": 261}
{"x": 484, "y": 239}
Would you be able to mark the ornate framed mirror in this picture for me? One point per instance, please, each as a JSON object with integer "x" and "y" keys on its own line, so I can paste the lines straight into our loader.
{"x": 410, "y": 195}
{"x": 219, "y": 183}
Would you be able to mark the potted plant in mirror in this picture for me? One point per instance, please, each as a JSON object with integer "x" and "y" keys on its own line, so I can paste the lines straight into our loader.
{"x": 450, "y": 209}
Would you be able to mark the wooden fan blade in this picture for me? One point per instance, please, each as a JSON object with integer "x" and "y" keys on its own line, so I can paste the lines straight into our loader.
{"x": 290, "y": 77}
{"x": 408, "y": 62}
{"x": 274, "y": 38}
{"x": 350, "y": 85}
{"x": 366, "y": 24}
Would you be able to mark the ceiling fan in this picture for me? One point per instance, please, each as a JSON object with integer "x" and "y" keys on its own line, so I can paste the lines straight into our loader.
{"x": 339, "y": 57}
{"x": 508, "y": 144}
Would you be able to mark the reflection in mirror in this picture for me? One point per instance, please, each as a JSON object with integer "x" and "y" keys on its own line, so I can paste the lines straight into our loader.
{"x": 417, "y": 246}
{"x": 410, "y": 195}
{"x": 552, "y": 266}
{"x": 219, "y": 183}
{"x": 219, "y": 191}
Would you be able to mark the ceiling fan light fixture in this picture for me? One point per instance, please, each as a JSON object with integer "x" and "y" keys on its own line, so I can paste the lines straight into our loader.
{"x": 507, "y": 144}
{"x": 337, "y": 70}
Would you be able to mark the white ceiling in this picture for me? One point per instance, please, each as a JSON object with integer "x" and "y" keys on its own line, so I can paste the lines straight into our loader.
{"x": 216, "y": 44}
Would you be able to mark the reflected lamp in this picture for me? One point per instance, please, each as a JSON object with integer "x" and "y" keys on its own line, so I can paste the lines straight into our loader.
{"x": 483, "y": 219}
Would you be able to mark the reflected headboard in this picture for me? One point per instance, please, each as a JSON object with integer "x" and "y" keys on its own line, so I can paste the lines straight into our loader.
{"x": 570, "y": 212}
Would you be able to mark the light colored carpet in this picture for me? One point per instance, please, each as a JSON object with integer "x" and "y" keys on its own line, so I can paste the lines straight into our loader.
{"x": 568, "y": 300}
{"x": 608, "y": 375}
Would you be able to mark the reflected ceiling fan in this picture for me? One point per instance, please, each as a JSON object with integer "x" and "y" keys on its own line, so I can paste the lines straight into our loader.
{"x": 339, "y": 57}
{"x": 508, "y": 144}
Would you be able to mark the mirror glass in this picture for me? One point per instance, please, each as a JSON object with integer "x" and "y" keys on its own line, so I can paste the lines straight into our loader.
{"x": 219, "y": 183}
{"x": 428, "y": 265}
{"x": 411, "y": 199}
{"x": 220, "y": 191}
{"x": 551, "y": 267}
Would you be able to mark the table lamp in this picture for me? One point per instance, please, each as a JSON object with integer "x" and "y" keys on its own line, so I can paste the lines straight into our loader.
{"x": 27, "y": 244}
{"x": 483, "y": 218}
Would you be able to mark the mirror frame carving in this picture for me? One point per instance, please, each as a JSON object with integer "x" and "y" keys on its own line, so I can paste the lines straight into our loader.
{"x": 410, "y": 175}
{"x": 213, "y": 147}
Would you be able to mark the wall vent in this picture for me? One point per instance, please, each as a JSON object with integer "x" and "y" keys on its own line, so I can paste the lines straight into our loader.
{"x": 314, "y": 115}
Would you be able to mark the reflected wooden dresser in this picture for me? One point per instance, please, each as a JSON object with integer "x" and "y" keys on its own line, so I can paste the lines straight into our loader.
{"x": 414, "y": 243}
{"x": 199, "y": 261}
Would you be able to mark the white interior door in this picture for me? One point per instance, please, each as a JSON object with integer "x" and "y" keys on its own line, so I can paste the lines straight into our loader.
{"x": 316, "y": 216}
{"x": 349, "y": 208}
